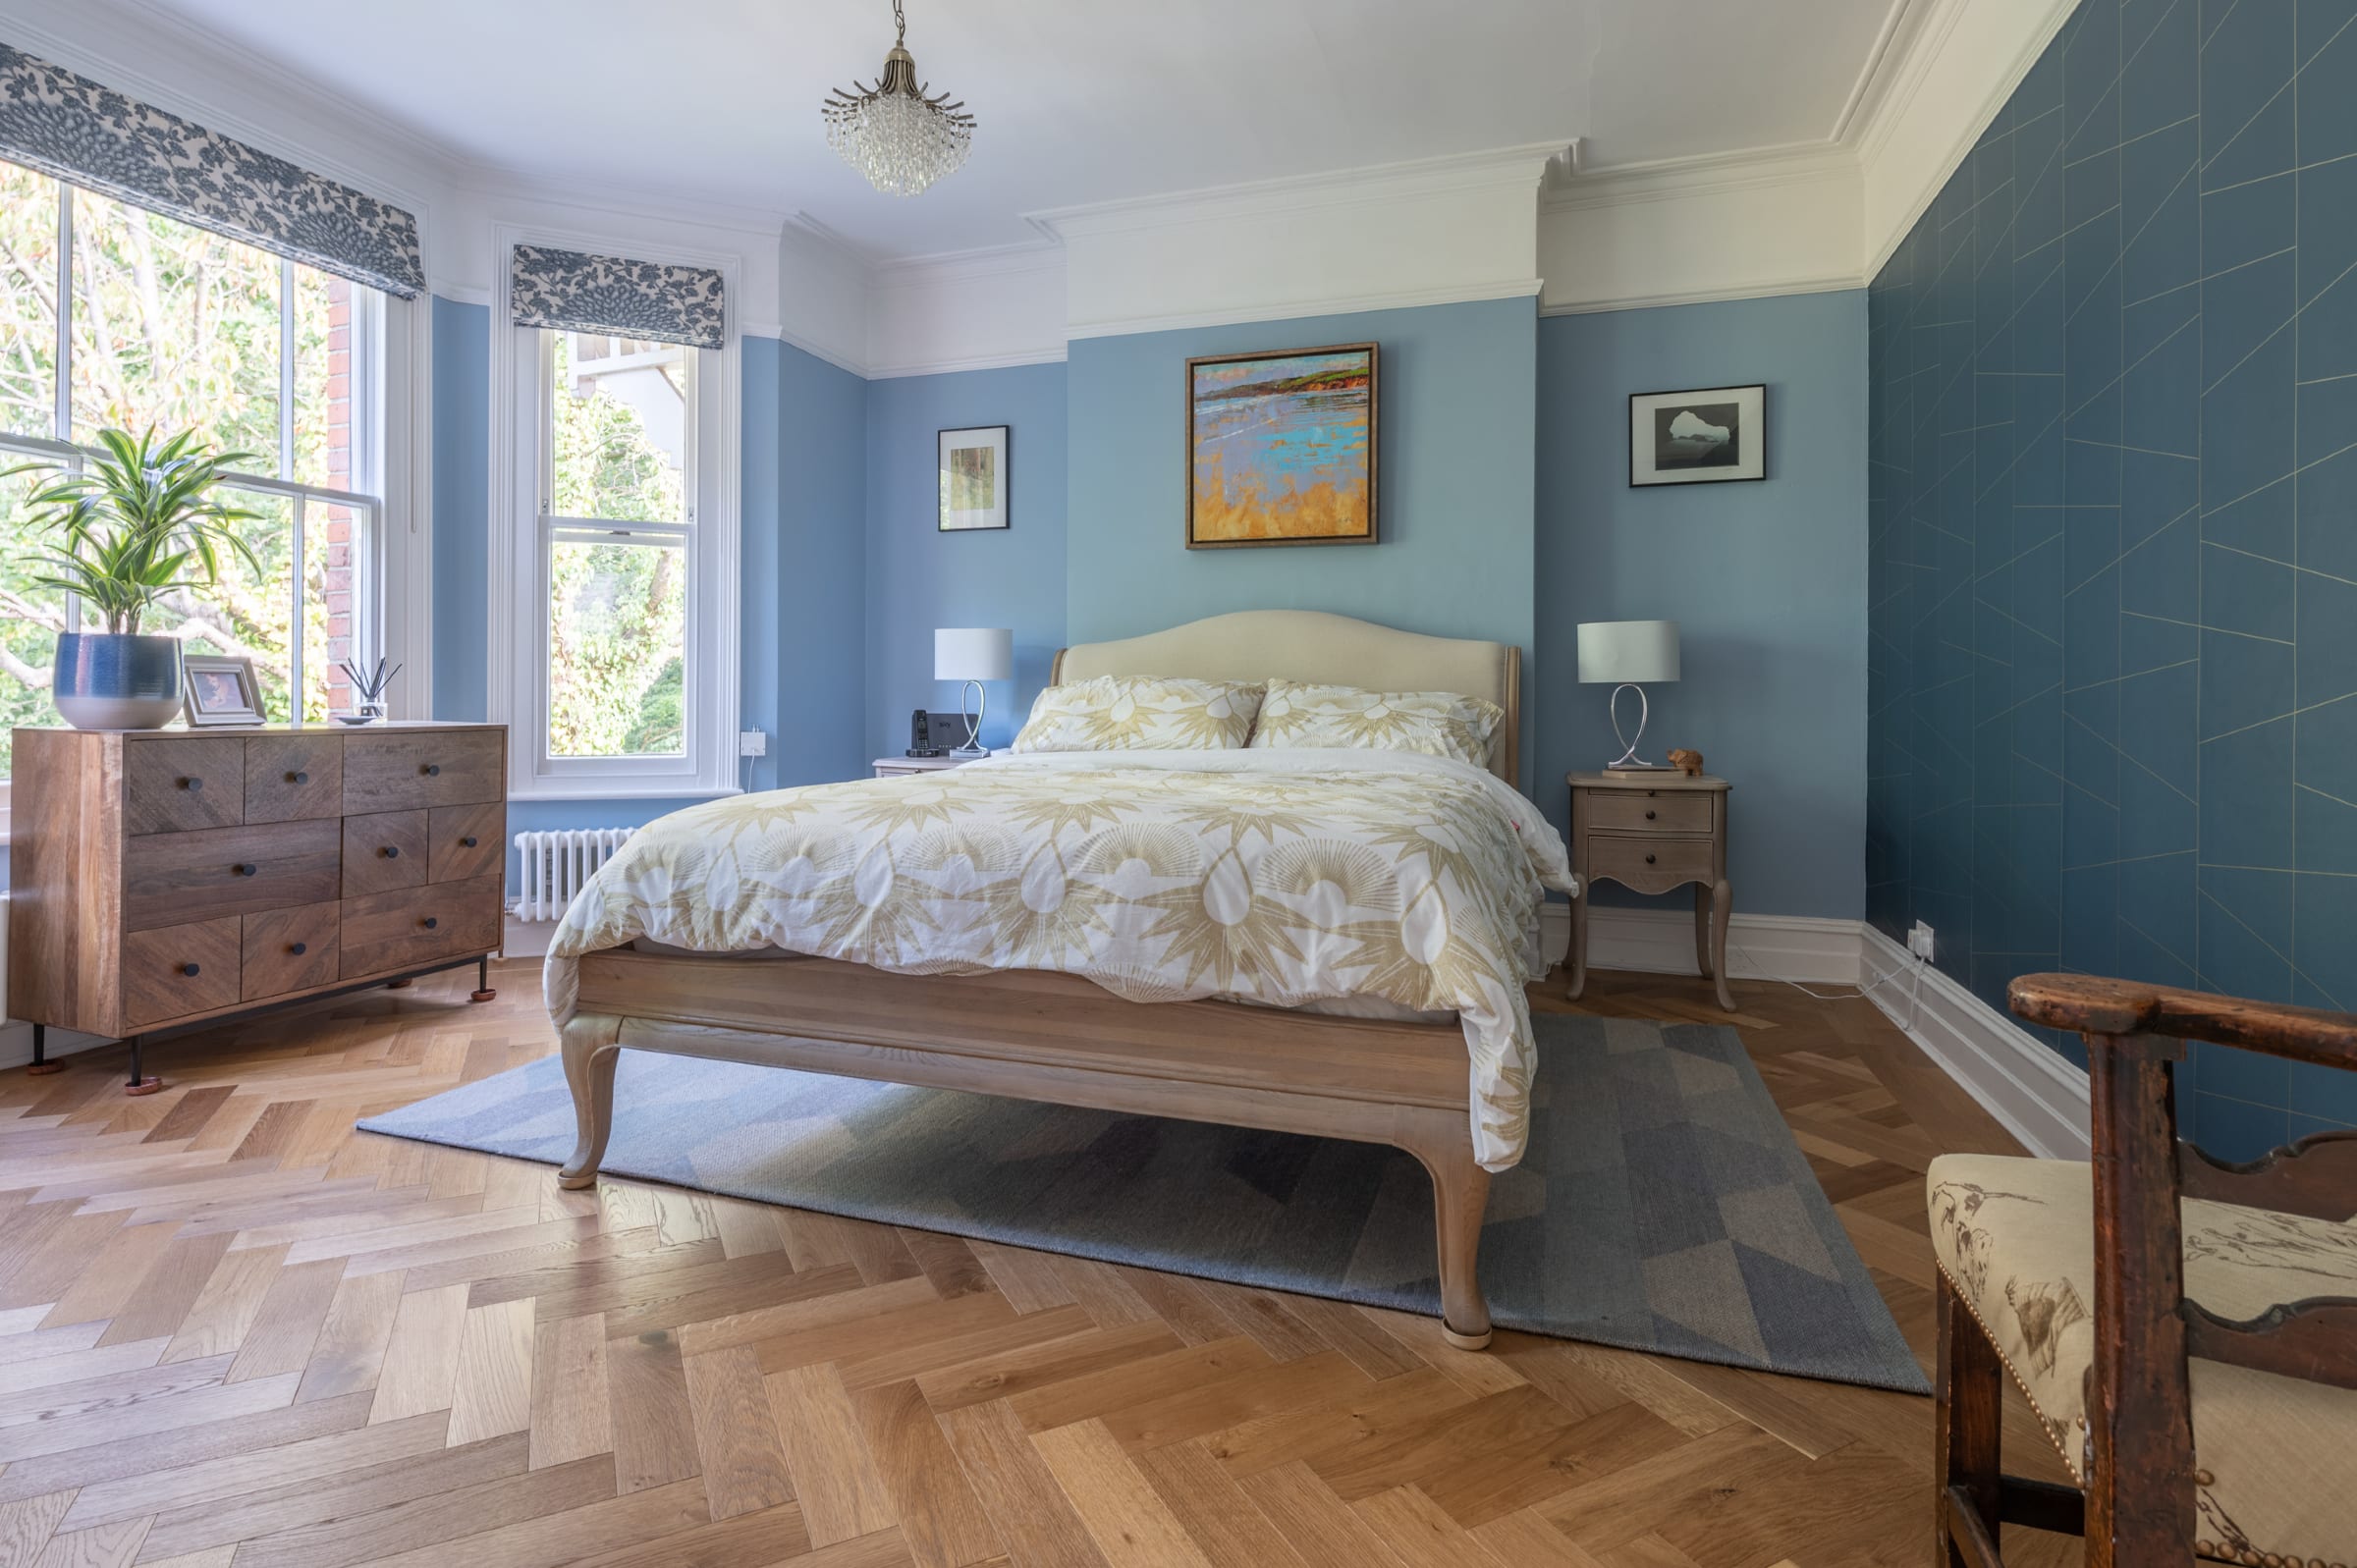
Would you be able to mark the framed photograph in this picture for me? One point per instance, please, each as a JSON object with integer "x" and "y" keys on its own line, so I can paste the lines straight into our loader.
{"x": 1698, "y": 438}
{"x": 973, "y": 478}
{"x": 1280, "y": 447}
{"x": 221, "y": 690}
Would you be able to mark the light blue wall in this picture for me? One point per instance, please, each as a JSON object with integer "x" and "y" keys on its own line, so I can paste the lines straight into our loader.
{"x": 1767, "y": 581}
{"x": 462, "y": 446}
{"x": 919, "y": 577}
{"x": 1458, "y": 400}
{"x": 815, "y": 601}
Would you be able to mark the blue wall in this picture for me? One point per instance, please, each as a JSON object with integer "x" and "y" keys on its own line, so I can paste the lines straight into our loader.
{"x": 462, "y": 509}
{"x": 1767, "y": 581}
{"x": 817, "y": 734}
{"x": 1458, "y": 419}
{"x": 2113, "y": 572}
{"x": 919, "y": 577}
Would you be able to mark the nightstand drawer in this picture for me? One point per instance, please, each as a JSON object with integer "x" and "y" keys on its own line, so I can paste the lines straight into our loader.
{"x": 172, "y": 878}
{"x": 1649, "y": 865}
{"x": 177, "y": 970}
{"x": 183, "y": 782}
{"x": 384, "y": 851}
{"x": 291, "y": 949}
{"x": 1654, "y": 811}
{"x": 415, "y": 926}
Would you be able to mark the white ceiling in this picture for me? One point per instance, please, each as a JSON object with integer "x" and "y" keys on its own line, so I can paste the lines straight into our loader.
{"x": 1078, "y": 100}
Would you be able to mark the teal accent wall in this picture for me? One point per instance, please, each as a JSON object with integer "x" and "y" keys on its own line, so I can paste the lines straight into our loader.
{"x": 461, "y": 499}
{"x": 918, "y": 577}
{"x": 1458, "y": 419}
{"x": 2113, "y": 572}
{"x": 1767, "y": 581}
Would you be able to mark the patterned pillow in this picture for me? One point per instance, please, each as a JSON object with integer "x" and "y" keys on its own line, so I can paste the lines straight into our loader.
{"x": 1438, "y": 724}
{"x": 1141, "y": 713}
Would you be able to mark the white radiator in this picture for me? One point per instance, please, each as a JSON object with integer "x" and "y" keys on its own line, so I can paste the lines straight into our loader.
{"x": 558, "y": 864}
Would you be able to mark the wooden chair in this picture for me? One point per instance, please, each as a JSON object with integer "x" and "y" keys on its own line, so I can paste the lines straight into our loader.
{"x": 2185, "y": 1329}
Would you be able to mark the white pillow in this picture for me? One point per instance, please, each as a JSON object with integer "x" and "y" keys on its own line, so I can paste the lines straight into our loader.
{"x": 1435, "y": 724}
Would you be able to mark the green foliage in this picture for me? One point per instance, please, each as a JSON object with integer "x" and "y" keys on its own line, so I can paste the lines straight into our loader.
{"x": 136, "y": 522}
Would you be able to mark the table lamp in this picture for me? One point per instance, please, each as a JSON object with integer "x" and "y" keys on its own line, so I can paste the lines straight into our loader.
{"x": 973, "y": 655}
{"x": 1628, "y": 653}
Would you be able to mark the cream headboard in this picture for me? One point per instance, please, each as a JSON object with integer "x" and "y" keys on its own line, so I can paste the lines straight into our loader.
{"x": 1311, "y": 646}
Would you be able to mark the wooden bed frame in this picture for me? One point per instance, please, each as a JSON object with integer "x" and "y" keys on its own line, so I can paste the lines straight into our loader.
{"x": 1065, "y": 1040}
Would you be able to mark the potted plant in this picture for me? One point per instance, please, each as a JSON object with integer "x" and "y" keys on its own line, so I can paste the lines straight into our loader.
{"x": 135, "y": 522}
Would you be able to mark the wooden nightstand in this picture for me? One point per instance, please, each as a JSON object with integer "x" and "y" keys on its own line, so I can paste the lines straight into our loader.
{"x": 898, "y": 766}
{"x": 1652, "y": 834}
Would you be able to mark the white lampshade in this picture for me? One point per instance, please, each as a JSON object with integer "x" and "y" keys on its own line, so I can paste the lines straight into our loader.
{"x": 1638, "y": 651}
{"x": 974, "y": 653}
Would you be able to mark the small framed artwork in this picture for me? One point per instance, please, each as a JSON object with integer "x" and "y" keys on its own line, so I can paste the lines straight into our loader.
{"x": 1698, "y": 438}
{"x": 973, "y": 478}
{"x": 221, "y": 690}
{"x": 1280, "y": 447}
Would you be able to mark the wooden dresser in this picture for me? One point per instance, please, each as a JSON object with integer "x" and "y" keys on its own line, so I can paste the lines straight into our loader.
{"x": 161, "y": 877}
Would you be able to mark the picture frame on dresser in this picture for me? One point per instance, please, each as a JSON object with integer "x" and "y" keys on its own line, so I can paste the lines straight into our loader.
{"x": 160, "y": 880}
{"x": 222, "y": 691}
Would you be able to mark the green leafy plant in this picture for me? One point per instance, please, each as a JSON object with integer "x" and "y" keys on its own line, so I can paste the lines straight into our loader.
{"x": 137, "y": 521}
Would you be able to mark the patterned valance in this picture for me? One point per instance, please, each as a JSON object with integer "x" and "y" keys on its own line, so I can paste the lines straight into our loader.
{"x": 73, "y": 128}
{"x": 577, "y": 293}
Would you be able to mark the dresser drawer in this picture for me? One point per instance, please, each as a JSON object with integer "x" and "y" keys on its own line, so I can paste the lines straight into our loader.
{"x": 403, "y": 770}
{"x": 291, "y": 778}
{"x": 1668, "y": 811}
{"x": 183, "y": 782}
{"x": 389, "y": 931}
{"x": 1649, "y": 865}
{"x": 291, "y": 949}
{"x": 174, "y": 971}
{"x": 384, "y": 851}
{"x": 468, "y": 841}
{"x": 169, "y": 878}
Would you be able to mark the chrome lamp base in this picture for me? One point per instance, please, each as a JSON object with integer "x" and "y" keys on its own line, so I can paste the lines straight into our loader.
{"x": 1628, "y": 765}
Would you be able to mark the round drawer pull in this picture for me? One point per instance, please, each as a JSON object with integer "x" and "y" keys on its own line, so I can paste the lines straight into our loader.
{"x": 189, "y": 969}
{"x": 299, "y": 777}
{"x": 433, "y": 770}
{"x": 191, "y": 784}
{"x": 245, "y": 868}
{"x": 1649, "y": 860}
{"x": 467, "y": 843}
{"x": 429, "y": 922}
{"x": 1649, "y": 816}
{"x": 298, "y": 948}
{"x": 390, "y": 851}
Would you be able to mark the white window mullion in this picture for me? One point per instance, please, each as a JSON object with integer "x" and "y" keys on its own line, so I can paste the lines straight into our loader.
{"x": 286, "y": 371}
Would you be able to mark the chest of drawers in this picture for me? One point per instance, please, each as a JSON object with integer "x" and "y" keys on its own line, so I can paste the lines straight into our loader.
{"x": 1653, "y": 834}
{"x": 159, "y": 878}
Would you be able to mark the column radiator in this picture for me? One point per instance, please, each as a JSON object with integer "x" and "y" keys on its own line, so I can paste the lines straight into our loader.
{"x": 558, "y": 864}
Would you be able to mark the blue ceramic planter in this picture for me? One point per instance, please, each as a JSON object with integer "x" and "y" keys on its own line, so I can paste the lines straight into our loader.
{"x": 109, "y": 680}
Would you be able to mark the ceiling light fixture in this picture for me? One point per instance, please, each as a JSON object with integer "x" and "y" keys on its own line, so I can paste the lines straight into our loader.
{"x": 893, "y": 134}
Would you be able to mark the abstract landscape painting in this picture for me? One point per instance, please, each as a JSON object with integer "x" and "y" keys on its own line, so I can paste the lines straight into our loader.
{"x": 1280, "y": 447}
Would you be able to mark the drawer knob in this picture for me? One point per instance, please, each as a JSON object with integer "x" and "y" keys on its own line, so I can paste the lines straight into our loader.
{"x": 433, "y": 770}
{"x": 189, "y": 969}
{"x": 467, "y": 843}
{"x": 429, "y": 922}
{"x": 245, "y": 868}
{"x": 299, "y": 777}
{"x": 298, "y": 948}
{"x": 390, "y": 851}
{"x": 1649, "y": 816}
{"x": 192, "y": 782}
{"x": 1649, "y": 860}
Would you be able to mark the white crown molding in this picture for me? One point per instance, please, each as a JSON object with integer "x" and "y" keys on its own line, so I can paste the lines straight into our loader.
{"x": 1325, "y": 304}
{"x": 1765, "y": 288}
{"x": 981, "y": 361}
{"x": 1705, "y": 173}
{"x": 1901, "y": 26}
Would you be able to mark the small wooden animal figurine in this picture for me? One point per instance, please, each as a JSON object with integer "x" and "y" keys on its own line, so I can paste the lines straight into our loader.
{"x": 1688, "y": 763}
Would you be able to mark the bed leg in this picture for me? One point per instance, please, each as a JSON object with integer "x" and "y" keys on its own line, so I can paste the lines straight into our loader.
{"x": 591, "y": 1048}
{"x": 1443, "y": 1139}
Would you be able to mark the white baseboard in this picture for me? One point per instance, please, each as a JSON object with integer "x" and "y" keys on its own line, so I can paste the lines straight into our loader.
{"x": 526, "y": 939}
{"x": 2038, "y": 1096}
{"x": 16, "y": 1044}
{"x": 1661, "y": 942}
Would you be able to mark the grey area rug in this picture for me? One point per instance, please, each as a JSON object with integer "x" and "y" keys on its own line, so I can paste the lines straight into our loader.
{"x": 1662, "y": 1205}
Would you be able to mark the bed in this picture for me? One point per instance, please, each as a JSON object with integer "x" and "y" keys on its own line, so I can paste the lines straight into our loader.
{"x": 678, "y": 945}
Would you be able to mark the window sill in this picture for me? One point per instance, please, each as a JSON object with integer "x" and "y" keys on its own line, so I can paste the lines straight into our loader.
{"x": 620, "y": 789}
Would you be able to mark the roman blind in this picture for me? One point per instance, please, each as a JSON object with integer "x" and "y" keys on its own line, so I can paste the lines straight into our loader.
{"x": 578, "y": 292}
{"x": 74, "y": 130}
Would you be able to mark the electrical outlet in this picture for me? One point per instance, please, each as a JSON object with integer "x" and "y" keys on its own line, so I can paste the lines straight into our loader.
{"x": 1919, "y": 941}
{"x": 753, "y": 743}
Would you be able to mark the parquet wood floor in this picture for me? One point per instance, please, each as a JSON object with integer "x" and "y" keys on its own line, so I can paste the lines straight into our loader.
{"x": 231, "y": 1330}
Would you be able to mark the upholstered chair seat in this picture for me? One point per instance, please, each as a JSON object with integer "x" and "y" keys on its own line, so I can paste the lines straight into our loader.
{"x": 2275, "y": 1457}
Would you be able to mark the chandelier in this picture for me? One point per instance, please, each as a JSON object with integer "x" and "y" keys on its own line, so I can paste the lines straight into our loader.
{"x": 893, "y": 134}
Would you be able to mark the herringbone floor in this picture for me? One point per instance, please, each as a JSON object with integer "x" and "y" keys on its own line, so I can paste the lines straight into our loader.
{"x": 234, "y": 1329}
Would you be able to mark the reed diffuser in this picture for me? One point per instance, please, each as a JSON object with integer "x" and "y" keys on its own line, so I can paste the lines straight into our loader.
{"x": 370, "y": 685}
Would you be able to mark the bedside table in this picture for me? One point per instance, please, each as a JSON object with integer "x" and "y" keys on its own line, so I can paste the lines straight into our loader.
{"x": 1652, "y": 834}
{"x": 899, "y": 767}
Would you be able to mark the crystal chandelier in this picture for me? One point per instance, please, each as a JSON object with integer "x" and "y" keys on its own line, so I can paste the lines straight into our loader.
{"x": 893, "y": 134}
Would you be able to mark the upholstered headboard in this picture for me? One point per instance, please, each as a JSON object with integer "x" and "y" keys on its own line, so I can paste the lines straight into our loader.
{"x": 1311, "y": 646}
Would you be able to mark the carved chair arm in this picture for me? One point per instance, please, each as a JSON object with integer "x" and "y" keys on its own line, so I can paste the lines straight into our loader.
{"x": 2098, "y": 1007}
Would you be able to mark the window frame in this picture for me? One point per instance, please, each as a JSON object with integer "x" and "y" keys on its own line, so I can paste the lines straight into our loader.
{"x": 523, "y": 525}
{"x": 382, "y": 353}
